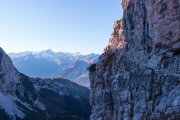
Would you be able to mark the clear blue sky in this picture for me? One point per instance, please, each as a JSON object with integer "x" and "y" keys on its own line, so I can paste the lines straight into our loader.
{"x": 81, "y": 26}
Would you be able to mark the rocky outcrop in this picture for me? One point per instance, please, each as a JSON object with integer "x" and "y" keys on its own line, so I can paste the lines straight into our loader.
{"x": 138, "y": 75}
{"x": 117, "y": 40}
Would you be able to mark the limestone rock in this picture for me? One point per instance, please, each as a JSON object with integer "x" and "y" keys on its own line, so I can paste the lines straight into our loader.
{"x": 138, "y": 75}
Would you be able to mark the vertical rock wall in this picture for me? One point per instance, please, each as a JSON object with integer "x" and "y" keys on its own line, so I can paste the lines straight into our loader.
{"x": 138, "y": 75}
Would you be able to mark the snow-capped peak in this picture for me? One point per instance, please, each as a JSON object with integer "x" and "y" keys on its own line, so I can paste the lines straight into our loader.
{"x": 77, "y": 54}
{"x": 47, "y": 53}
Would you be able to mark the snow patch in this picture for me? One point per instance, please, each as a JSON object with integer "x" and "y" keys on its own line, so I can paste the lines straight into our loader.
{"x": 40, "y": 105}
{"x": 10, "y": 107}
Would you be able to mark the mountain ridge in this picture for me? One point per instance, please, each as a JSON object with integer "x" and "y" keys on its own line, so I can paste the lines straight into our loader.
{"x": 25, "y": 98}
{"x": 48, "y": 63}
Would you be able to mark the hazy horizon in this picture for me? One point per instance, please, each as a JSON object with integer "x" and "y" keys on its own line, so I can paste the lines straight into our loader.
{"x": 47, "y": 50}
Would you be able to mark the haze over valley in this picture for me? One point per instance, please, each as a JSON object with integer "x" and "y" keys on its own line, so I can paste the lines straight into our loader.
{"x": 49, "y": 64}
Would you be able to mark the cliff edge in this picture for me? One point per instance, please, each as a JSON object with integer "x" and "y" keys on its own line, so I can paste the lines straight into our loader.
{"x": 138, "y": 75}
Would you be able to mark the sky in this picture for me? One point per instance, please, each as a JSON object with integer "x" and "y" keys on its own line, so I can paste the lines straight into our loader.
{"x": 83, "y": 26}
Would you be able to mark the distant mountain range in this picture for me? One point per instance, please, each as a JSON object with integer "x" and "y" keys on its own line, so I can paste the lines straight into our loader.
{"x": 49, "y": 64}
{"x": 25, "y": 98}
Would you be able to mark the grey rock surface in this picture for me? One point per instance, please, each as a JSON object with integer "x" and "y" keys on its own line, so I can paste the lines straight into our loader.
{"x": 138, "y": 75}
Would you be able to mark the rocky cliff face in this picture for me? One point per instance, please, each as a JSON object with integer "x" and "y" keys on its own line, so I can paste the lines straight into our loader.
{"x": 25, "y": 98}
{"x": 138, "y": 75}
